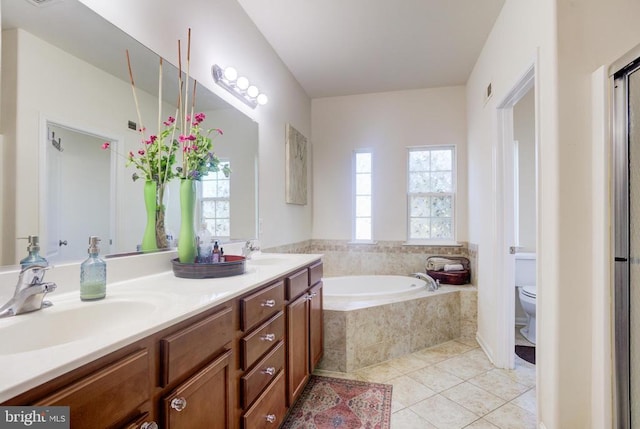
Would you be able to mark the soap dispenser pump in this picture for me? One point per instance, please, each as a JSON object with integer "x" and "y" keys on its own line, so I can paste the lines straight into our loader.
{"x": 33, "y": 258}
{"x": 93, "y": 274}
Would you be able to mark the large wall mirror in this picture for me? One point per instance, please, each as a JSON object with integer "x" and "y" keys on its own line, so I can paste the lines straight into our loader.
{"x": 65, "y": 91}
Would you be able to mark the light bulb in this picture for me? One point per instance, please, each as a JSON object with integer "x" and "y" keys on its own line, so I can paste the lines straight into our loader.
{"x": 230, "y": 74}
{"x": 243, "y": 83}
{"x": 262, "y": 99}
{"x": 252, "y": 91}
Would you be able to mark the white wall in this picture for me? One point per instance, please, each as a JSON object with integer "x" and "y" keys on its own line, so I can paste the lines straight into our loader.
{"x": 572, "y": 40}
{"x": 223, "y": 34}
{"x": 523, "y": 34}
{"x": 387, "y": 123}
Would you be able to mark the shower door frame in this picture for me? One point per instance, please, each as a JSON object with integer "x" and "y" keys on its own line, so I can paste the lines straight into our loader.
{"x": 621, "y": 195}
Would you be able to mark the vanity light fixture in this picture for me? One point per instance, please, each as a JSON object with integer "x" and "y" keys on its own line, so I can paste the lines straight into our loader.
{"x": 238, "y": 85}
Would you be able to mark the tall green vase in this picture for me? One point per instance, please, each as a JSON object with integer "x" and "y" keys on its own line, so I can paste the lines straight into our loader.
{"x": 187, "y": 238}
{"x": 149, "y": 238}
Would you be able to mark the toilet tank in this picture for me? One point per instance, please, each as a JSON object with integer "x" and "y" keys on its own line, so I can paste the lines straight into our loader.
{"x": 525, "y": 269}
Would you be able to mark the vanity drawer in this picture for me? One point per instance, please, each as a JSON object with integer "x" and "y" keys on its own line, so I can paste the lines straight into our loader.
{"x": 257, "y": 343}
{"x": 107, "y": 396}
{"x": 297, "y": 284}
{"x": 269, "y": 410}
{"x": 190, "y": 347}
{"x": 257, "y": 307}
{"x": 253, "y": 382}
{"x": 315, "y": 273}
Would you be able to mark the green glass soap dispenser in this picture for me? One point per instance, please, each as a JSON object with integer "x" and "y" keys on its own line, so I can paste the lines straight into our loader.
{"x": 33, "y": 258}
{"x": 93, "y": 274}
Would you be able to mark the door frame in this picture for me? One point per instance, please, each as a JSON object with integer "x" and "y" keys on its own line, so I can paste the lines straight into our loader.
{"x": 504, "y": 213}
{"x": 45, "y": 122}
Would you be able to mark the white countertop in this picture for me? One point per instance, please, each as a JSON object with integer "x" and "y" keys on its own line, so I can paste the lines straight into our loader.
{"x": 39, "y": 346}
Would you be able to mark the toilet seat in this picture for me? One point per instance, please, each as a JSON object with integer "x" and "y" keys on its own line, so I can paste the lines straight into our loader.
{"x": 529, "y": 291}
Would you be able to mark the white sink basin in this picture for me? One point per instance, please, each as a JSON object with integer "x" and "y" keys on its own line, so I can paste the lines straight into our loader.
{"x": 69, "y": 322}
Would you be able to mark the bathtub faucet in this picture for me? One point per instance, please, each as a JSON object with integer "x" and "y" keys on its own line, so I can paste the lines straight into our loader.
{"x": 432, "y": 285}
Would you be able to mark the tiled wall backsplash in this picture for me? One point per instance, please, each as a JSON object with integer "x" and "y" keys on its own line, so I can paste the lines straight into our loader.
{"x": 343, "y": 258}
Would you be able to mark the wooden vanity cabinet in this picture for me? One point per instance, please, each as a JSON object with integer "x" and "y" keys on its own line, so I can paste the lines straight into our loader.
{"x": 107, "y": 395}
{"x": 204, "y": 400}
{"x": 239, "y": 365}
{"x": 261, "y": 342}
{"x": 304, "y": 327}
{"x": 200, "y": 351}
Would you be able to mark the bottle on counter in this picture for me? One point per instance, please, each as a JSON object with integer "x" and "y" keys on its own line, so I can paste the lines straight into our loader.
{"x": 33, "y": 258}
{"x": 204, "y": 245}
{"x": 222, "y": 257}
{"x": 216, "y": 253}
{"x": 93, "y": 274}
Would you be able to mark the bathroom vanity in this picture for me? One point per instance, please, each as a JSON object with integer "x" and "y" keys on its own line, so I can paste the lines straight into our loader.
{"x": 218, "y": 353}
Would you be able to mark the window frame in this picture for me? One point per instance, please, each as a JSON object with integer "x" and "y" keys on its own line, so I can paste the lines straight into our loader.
{"x": 453, "y": 194}
{"x": 201, "y": 200}
{"x": 354, "y": 195}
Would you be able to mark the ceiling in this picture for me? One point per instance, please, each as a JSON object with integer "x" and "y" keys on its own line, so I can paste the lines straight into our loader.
{"x": 346, "y": 47}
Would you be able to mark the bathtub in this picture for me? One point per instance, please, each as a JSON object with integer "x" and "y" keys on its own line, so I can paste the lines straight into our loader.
{"x": 369, "y": 319}
{"x": 371, "y": 286}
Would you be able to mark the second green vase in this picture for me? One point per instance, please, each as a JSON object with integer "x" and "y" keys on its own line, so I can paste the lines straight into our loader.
{"x": 187, "y": 238}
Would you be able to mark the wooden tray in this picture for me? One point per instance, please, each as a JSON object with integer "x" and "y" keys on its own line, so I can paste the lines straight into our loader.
{"x": 233, "y": 266}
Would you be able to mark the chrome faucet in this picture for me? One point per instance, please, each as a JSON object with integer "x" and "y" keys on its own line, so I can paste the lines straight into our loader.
{"x": 29, "y": 293}
{"x": 249, "y": 248}
{"x": 432, "y": 285}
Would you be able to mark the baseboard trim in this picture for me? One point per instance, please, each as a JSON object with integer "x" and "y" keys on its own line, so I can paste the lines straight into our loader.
{"x": 483, "y": 345}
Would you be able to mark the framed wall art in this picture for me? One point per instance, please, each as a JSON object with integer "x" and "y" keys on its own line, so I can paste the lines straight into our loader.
{"x": 296, "y": 167}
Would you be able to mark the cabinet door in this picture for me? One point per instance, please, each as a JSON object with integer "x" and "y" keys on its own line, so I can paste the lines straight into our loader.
{"x": 106, "y": 397}
{"x": 203, "y": 401}
{"x": 315, "y": 325}
{"x": 297, "y": 347}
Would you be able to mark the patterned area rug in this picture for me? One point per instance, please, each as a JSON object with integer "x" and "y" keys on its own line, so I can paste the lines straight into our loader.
{"x": 329, "y": 403}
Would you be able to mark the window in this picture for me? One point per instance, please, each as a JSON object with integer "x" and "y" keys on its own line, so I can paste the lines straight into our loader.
{"x": 214, "y": 203}
{"x": 431, "y": 194}
{"x": 362, "y": 195}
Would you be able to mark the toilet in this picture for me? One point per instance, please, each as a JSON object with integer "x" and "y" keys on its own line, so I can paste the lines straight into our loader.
{"x": 526, "y": 284}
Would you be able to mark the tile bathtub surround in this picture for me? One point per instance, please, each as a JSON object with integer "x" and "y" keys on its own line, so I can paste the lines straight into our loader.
{"x": 453, "y": 386}
{"x": 356, "y": 338}
{"x": 343, "y": 258}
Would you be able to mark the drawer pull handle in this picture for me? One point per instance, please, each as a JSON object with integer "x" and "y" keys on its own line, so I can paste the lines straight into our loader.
{"x": 269, "y": 303}
{"x": 313, "y": 295}
{"x": 178, "y": 404}
{"x": 271, "y": 418}
{"x": 269, "y": 371}
{"x": 268, "y": 337}
{"x": 149, "y": 425}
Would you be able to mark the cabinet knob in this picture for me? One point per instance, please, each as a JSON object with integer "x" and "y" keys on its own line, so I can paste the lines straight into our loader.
{"x": 178, "y": 404}
{"x": 269, "y": 303}
{"x": 271, "y": 418}
{"x": 268, "y": 337}
{"x": 149, "y": 425}
{"x": 269, "y": 371}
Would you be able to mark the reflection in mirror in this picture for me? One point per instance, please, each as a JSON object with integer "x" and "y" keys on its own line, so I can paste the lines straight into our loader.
{"x": 65, "y": 81}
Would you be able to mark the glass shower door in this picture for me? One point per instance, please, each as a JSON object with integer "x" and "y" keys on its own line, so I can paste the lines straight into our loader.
{"x": 627, "y": 244}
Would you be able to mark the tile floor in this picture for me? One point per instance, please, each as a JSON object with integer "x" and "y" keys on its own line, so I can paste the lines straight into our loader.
{"x": 453, "y": 386}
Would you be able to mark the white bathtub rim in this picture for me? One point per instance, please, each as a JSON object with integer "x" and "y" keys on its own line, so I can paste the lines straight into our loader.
{"x": 332, "y": 303}
{"x": 373, "y": 286}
